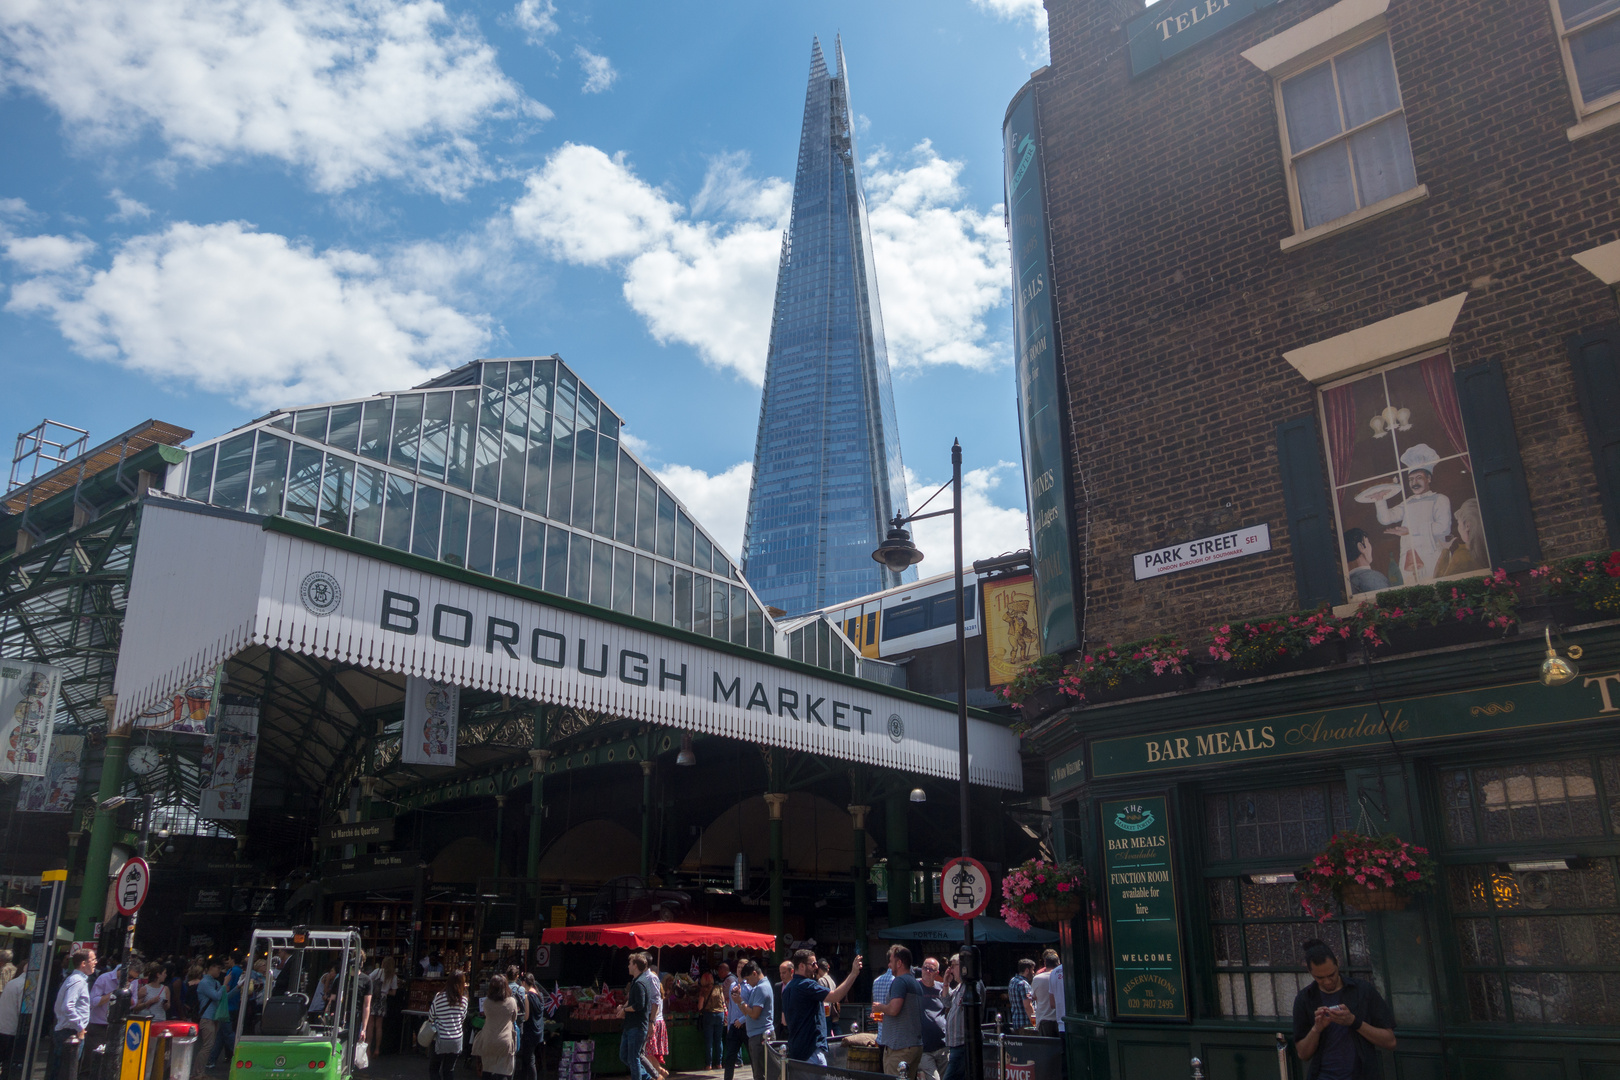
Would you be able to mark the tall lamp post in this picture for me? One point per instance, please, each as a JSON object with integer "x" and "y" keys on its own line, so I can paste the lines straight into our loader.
{"x": 898, "y": 553}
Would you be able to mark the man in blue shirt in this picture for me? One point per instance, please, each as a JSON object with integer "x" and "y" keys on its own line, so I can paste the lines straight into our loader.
{"x": 758, "y": 1007}
{"x": 1020, "y": 1008}
{"x": 901, "y": 1034}
{"x": 209, "y": 991}
{"x": 802, "y": 1001}
{"x": 73, "y": 1014}
{"x": 880, "y": 987}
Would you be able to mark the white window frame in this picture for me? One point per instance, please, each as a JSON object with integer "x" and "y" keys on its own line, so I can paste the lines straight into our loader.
{"x": 1603, "y": 112}
{"x": 1280, "y": 75}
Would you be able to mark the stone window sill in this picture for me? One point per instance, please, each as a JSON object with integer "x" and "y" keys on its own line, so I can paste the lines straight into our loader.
{"x": 1603, "y": 118}
{"x": 1350, "y": 221}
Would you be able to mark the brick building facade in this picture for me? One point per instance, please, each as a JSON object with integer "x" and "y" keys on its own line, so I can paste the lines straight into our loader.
{"x": 1346, "y": 270}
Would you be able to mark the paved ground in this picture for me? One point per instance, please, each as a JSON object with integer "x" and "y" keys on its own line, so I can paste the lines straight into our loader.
{"x": 414, "y": 1067}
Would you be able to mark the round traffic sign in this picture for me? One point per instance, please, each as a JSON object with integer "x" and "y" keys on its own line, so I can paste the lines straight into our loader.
{"x": 133, "y": 883}
{"x": 964, "y": 888}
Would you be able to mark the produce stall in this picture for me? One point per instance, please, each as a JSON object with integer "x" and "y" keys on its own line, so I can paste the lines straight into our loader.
{"x": 598, "y": 1013}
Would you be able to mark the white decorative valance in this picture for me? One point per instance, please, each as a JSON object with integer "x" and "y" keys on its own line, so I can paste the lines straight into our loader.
{"x": 206, "y": 586}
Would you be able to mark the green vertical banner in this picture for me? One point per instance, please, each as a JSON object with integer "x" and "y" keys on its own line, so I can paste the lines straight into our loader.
{"x": 1040, "y": 392}
{"x": 1145, "y": 935}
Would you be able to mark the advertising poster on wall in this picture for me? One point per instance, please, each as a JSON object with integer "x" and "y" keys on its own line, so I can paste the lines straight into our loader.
{"x": 227, "y": 763}
{"x": 1040, "y": 392}
{"x": 54, "y": 792}
{"x": 429, "y": 734}
{"x": 1009, "y": 627}
{"x": 28, "y": 697}
{"x": 193, "y": 711}
{"x": 1141, "y": 895}
{"x": 1402, "y": 480}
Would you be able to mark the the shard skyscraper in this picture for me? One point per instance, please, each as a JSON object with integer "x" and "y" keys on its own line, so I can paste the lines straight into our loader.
{"x": 827, "y": 472}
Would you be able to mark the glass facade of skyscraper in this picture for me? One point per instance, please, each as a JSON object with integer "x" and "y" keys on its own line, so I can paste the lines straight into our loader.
{"x": 512, "y": 468}
{"x": 827, "y": 471}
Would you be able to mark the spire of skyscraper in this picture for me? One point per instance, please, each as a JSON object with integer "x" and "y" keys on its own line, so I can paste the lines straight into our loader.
{"x": 827, "y": 471}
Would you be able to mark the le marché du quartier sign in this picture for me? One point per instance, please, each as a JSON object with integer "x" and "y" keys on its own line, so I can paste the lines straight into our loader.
{"x": 1511, "y": 707}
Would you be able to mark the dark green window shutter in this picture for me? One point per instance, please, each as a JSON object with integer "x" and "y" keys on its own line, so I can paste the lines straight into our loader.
{"x": 1317, "y": 570}
{"x": 1596, "y": 359}
{"x": 1504, "y": 497}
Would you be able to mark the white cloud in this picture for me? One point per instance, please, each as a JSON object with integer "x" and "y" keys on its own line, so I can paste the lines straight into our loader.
{"x": 347, "y": 90}
{"x": 128, "y": 209}
{"x": 247, "y": 314}
{"x": 1030, "y": 11}
{"x": 717, "y": 501}
{"x": 536, "y": 18}
{"x": 941, "y": 267}
{"x": 987, "y": 529}
{"x": 599, "y": 73}
{"x": 711, "y": 283}
{"x": 46, "y": 254}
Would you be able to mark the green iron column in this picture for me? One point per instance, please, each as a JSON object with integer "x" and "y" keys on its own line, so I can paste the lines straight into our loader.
{"x": 93, "y": 897}
{"x": 537, "y": 806}
{"x": 646, "y": 817}
{"x": 896, "y": 807}
{"x": 858, "y": 871}
{"x": 500, "y": 826}
{"x": 775, "y": 801}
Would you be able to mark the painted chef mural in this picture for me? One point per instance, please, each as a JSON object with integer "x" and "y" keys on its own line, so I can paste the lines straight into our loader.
{"x": 1403, "y": 484}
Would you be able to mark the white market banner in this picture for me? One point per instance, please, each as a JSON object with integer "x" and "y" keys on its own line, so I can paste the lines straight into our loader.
{"x": 54, "y": 792}
{"x": 227, "y": 761}
{"x": 429, "y": 734}
{"x": 286, "y": 588}
{"x": 1204, "y": 551}
{"x": 28, "y": 698}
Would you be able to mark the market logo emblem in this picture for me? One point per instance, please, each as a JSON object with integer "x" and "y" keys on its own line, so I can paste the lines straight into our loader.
{"x": 1133, "y": 818}
{"x": 897, "y": 727}
{"x": 320, "y": 593}
{"x": 281, "y": 1061}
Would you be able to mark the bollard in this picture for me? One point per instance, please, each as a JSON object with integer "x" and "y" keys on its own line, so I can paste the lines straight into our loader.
{"x": 1198, "y": 1069}
{"x": 1282, "y": 1057}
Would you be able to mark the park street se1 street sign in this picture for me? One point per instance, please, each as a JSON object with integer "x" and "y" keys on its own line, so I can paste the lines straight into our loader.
{"x": 964, "y": 888}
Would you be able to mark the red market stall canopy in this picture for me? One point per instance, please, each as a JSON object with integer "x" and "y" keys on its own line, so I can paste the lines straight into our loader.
{"x": 656, "y": 935}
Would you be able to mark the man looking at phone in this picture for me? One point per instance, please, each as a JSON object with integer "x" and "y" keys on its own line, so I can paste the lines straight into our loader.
{"x": 1339, "y": 1024}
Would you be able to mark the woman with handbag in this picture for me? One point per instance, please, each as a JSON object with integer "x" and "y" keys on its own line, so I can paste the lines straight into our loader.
{"x": 495, "y": 1045}
{"x": 447, "y": 1018}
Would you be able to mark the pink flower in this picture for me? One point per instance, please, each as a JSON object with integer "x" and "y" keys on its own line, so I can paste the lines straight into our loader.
{"x": 1063, "y": 886}
{"x": 1041, "y": 878}
{"x": 1413, "y": 875}
{"x": 1029, "y": 898}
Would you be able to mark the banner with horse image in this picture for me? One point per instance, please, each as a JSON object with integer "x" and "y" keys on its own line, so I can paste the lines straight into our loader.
{"x": 54, "y": 792}
{"x": 28, "y": 698}
{"x": 227, "y": 762}
{"x": 429, "y": 734}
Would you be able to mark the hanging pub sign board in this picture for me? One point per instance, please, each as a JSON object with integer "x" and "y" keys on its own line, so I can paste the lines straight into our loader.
{"x": 133, "y": 883}
{"x": 964, "y": 888}
{"x": 1205, "y": 551}
{"x": 1145, "y": 934}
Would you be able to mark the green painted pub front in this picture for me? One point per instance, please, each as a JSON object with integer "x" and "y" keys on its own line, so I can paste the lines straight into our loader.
{"x": 1191, "y": 812}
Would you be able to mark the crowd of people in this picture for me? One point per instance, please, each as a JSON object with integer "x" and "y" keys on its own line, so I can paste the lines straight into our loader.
{"x": 208, "y": 991}
{"x": 922, "y": 1026}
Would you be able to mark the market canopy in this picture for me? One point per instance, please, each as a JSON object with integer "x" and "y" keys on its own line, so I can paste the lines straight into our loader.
{"x": 19, "y": 922}
{"x": 319, "y": 595}
{"x": 657, "y": 935}
{"x": 986, "y": 931}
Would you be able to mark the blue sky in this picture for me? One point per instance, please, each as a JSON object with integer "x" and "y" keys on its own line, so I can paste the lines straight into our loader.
{"x": 209, "y": 208}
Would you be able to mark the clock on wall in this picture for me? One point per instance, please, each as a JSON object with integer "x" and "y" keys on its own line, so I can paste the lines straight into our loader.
{"x": 144, "y": 760}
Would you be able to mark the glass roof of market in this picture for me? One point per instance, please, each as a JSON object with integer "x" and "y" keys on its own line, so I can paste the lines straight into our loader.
{"x": 512, "y": 468}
